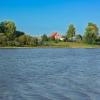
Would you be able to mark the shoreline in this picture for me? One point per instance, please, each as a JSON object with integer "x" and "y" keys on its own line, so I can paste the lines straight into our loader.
{"x": 55, "y": 45}
{"x": 40, "y": 47}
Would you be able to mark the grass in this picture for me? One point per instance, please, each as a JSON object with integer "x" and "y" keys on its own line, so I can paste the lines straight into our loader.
{"x": 70, "y": 45}
{"x": 52, "y": 44}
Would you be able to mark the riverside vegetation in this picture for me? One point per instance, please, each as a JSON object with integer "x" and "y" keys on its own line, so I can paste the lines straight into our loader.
{"x": 10, "y": 37}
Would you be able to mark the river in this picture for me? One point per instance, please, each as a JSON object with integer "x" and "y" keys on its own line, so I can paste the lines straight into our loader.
{"x": 50, "y": 74}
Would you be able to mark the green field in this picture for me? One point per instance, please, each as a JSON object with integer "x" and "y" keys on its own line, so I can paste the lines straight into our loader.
{"x": 69, "y": 45}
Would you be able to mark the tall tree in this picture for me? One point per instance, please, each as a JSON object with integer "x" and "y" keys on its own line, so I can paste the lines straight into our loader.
{"x": 44, "y": 37}
{"x": 8, "y": 28}
{"x": 71, "y": 31}
{"x": 91, "y": 33}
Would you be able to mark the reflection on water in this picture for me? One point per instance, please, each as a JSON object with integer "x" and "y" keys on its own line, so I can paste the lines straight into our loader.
{"x": 49, "y": 74}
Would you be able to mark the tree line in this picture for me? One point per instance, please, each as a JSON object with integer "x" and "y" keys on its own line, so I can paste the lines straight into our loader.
{"x": 9, "y": 36}
{"x": 90, "y": 36}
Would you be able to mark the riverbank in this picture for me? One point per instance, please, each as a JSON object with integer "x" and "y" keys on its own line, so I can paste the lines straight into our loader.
{"x": 60, "y": 45}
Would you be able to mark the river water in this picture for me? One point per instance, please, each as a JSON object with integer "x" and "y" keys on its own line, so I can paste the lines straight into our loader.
{"x": 50, "y": 74}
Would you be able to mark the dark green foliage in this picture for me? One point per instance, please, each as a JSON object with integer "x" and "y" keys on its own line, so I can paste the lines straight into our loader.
{"x": 8, "y": 28}
{"x": 78, "y": 38}
{"x": 19, "y": 33}
{"x": 44, "y": 37}
{"x": 98, "y": 40}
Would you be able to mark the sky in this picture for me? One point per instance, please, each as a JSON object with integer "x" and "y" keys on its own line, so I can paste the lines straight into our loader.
{"x": 45, "y": 16}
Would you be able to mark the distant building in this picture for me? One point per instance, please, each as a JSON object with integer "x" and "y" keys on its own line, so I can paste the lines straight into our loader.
{"x": 72, "y": 39}
{"x": 56, "y": 36}
{"x": 53, "y": 35}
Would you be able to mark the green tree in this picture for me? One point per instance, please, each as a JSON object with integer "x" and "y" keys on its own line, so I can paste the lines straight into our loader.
{"x": 22, "y": 40}
{"x": 91, "y": 33}
{"x": 44, "y": 37}
{"x": 8, "y": 28}
{"x": 19, "y": 33}
{"x": 78, "y": 37}
{"x": 3, "y": 40}
{"x": 35, "y": 41}
{"x": 71, "y": 31}
{"x": 27, "y": 40}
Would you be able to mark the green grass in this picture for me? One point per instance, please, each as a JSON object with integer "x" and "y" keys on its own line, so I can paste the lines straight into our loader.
{"x": 53, "y": 44}
{"x": 70, "y": 45}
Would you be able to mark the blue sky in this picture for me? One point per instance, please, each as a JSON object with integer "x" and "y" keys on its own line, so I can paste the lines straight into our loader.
{"x": 46, "y": 16}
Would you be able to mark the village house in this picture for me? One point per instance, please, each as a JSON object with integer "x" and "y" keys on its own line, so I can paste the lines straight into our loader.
{"x": 73, "y": 39}
{"x": 56, "y": 36}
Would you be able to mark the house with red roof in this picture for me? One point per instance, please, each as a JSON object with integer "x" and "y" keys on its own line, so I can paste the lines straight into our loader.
{"x": 56, "y": 36}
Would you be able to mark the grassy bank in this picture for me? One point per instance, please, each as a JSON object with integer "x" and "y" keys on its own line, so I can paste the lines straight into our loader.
{"x": 71, "y": 45}
{"x": 59, "y": 45}
{"x": 74, "y": 45}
